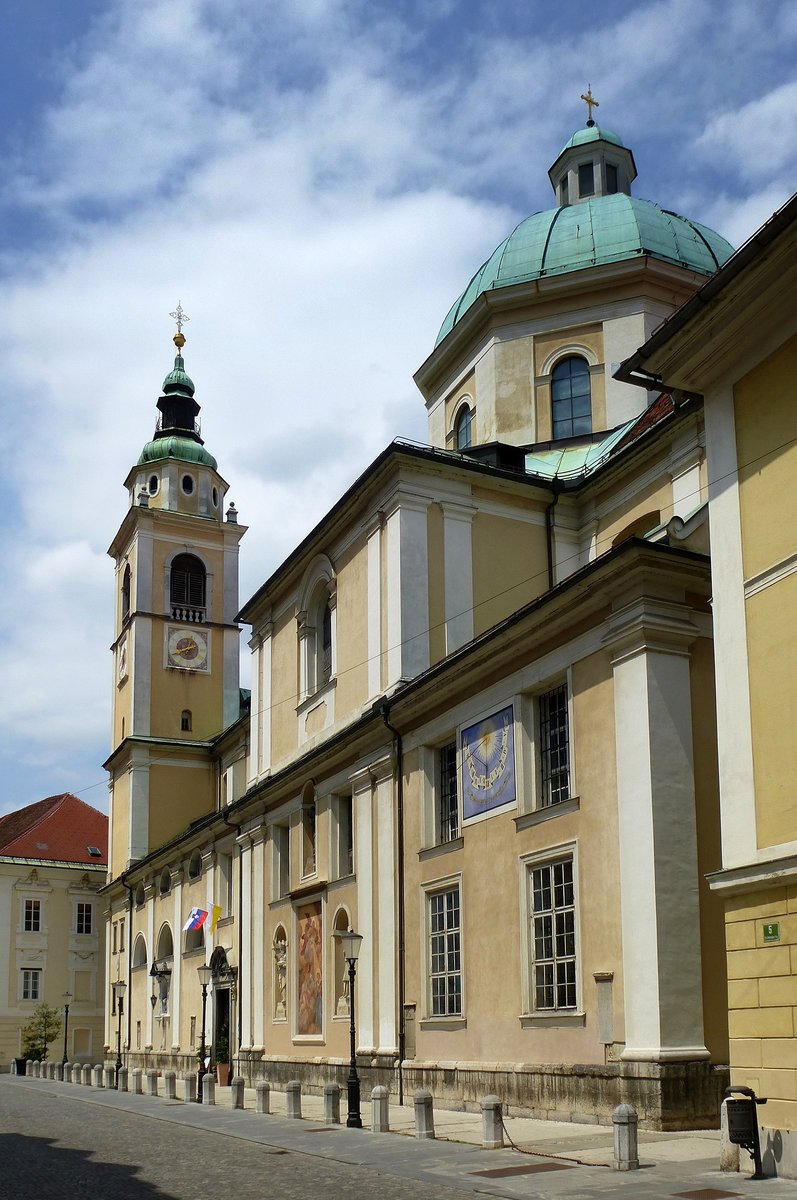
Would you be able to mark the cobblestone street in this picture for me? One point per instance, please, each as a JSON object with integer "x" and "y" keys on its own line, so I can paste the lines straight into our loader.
{"x": 55, "y": 1145}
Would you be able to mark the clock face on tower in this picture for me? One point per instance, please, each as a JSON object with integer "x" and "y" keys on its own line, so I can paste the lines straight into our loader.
{"x": 187, "y": 648}
{"x": 488, "y": 764}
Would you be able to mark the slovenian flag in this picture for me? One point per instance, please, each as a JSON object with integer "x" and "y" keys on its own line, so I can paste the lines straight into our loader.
{"x": 196, "y": 919}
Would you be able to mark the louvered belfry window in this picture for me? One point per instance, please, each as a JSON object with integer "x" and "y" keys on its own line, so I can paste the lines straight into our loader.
{"x": 188, "y": 588}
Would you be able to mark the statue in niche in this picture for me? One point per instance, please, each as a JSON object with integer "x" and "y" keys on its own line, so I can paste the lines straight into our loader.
{"x": 342, "y": 1007}
{"x": 280, "y": 978}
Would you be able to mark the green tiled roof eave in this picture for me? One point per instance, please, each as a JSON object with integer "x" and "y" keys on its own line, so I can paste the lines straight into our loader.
{"x": 182, "y": 448}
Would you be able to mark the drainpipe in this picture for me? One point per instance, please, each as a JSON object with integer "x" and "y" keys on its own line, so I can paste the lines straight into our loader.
{"x": 129, "y": 960}
{"x": 384, "y": 709}
{"x": 549, "y": 532}
{"x": 237, "y": 829}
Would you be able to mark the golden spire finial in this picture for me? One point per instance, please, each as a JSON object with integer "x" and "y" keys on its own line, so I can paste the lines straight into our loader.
{"x": 590, "y": 102}
{"x": 180, "y": 317}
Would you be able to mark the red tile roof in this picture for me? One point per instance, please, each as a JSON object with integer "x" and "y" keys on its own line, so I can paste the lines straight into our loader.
{"x": 60, "y": 828}
{"x": 659, "y": 409}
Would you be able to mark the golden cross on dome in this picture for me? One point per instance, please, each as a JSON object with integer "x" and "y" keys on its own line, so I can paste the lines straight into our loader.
{"x": 590, "y": 102}
{"x": 180, "y": 317}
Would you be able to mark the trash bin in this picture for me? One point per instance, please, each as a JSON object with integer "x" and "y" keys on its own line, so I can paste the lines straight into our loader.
{"x": 22, "y": 1065}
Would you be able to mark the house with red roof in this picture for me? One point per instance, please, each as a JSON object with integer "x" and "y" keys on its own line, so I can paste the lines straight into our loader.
{"x": 53, "y": 860}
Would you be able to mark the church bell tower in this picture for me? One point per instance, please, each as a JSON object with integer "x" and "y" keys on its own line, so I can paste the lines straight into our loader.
{"x": 176, "y": 643}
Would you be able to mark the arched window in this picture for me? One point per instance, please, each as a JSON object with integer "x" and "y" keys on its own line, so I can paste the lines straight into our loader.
{"x": 187, "y": 590}
{"x": 140, "y": 951}
{"x": 571, "y": 401}
{"x": 185, "y": 720}
{"x": 126, "y": 593}
{"x": 140, "y": 895}
{"x": 463, "y": 428}
{"x": 315, "y": 620}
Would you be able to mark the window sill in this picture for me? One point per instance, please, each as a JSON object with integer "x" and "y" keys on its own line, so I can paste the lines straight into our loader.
{"x": 316, "y": 697}
{"x": 222, "y": 921}
{"x": 525, "y": 820}
{"x": 444, "y": 1024}
{"x": 441, "y": 848}
{"x": 564, "y": 1018}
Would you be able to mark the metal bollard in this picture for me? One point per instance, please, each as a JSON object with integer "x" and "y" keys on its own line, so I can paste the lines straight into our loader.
{"x": 332, "y": 1103}
{"x": 123, "y": 1078}
{"x": 152, "y": 1082}
{"x": 424, "y": 1114}
{"x": 86, "y": 1075}
{"x": 237, "y": 1084}
{"x": 380, "y": 1111}
{"x": 626, "y": 1156}
{"x": 138, "y": 1081}
{"x": 59, "y": 1071}
{"x": 110, "y": 1078}
{"x": 263, "y": 1097}
{"x": 208, "y": 1088}
{"x": 170, "y": 1085}
{"x": 492, "y": 1124}
{"x": 293, "y": 1099}
{"x": 189, "y": 1088}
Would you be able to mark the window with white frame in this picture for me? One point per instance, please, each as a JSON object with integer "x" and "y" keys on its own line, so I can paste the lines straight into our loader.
{"x": 554, "y": 745}
{"x": 31, "y": 983}
{"x": 445, "y": 952}
{"x": 343, "y": 833}
{"x": 84, "y": 915}
{"x": 225, "y": 891}
{"x": 552, "y": 936}
{"x": 447, "y": 794}
{"x": 316, "y": 624}
{"x": 32, "y": 916}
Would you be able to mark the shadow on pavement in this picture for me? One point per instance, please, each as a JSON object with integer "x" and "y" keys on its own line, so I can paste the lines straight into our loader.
{"x": 34, "y": 1168}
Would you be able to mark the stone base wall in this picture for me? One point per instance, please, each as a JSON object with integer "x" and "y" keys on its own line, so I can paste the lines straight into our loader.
{"x": 778, "y": 1152}
{"x": 667, "y": 1096}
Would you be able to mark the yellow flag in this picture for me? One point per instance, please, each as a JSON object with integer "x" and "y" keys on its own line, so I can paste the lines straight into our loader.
{"x": 215, "y": 913}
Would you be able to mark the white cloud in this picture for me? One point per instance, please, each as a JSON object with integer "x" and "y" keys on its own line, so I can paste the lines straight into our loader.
{"x": 316, "y": 183}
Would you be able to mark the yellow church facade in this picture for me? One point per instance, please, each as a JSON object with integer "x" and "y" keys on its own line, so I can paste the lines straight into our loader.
{"x": 736, "y": 345}
{"x": 481, "y": 723}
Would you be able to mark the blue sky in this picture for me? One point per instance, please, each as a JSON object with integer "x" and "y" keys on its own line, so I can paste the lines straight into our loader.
{"x": 315, "y": 182}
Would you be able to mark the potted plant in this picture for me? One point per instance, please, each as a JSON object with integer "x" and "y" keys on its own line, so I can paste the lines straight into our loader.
{"x": 222, "y": 1057}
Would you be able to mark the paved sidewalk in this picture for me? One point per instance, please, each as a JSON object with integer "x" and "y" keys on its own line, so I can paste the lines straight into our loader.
{"x": 564, "y": 1158}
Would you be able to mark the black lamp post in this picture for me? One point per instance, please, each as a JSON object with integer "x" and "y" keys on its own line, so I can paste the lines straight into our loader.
{"x": 350, "y": 943}
{"x": 120, "y": 987}
{"x": 205, "y": 974}
{"x": 66, "y": 998}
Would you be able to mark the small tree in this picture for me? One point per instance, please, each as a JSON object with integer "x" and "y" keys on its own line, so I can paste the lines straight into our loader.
{"x": 43, "y": 1028}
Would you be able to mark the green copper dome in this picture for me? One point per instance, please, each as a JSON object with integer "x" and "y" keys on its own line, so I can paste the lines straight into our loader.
{"x": 177, "y": 382}
{"x": 186, "y": 449}
{"x": 595, "y": 232}
{"x": 592, "y": 133}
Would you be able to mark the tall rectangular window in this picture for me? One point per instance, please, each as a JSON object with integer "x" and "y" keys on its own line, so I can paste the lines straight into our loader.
{"x": 553, "y": 935}
{"x": 586, "y": 179}
{"x": 33, "y": 916}
{"x": 31, "y": 984}
{"x": 447, "y": 798}
{"x": 282, "y": 862}
{"x": 611, "y": 179}
{"x": 345, "y": 835}
{"x": 84, "y": 917}
{"x": 114, "y": 937}
{"x": 445, "y": 953}
{"x": 554, "y": 746}
{"x": 121, "y": 935}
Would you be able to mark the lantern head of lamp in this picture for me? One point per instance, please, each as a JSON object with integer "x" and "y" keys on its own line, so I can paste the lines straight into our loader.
{"x": 350, "y": 944}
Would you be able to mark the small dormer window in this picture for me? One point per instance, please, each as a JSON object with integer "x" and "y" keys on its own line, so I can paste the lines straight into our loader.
{"x": 611, "y": 179}
{"x": 586, "y": 179}
{"x": 185, "y": 721}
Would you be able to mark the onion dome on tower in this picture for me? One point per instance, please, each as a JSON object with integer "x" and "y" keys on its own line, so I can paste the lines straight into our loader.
{"x": 177, "y": 431}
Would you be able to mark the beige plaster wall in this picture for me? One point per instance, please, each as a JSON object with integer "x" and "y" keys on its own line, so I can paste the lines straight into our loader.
{"x": 284, "y": 685}
{"x": 510, "y": 567}
{"x": 351, "y": 690}
{"x": 175, "y": 801}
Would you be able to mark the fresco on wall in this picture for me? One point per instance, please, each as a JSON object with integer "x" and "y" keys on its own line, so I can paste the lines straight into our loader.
{"x": 310, "y": 970}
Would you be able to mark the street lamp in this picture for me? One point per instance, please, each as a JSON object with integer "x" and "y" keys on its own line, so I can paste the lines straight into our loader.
{"x": 350, "y": 944}
{"x": 120, "y": 987}
{"x": 205, "y": 975}
{"x": 67, "y": 996}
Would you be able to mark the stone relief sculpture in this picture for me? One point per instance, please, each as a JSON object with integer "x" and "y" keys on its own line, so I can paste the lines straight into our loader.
{"x": 280, "y": 976}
